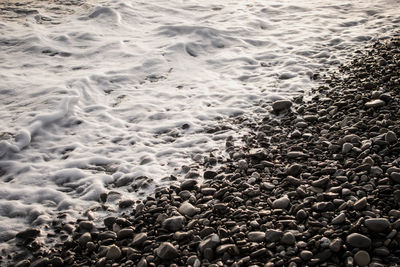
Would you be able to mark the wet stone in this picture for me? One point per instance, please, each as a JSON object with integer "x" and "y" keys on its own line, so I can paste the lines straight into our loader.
{"x": 362, "y": 258}
{"x": 113, "y": 253}
{"x": 281, "y": 105}
{"x": 377, "y": 224}
{"x": 174, "y": 223}
{"x": 189, "y": 184}
{"x": 43, "y": 262}
{"x": 281, "y": 203}
{"x": 256, "y": 236}
{"x": 28, "y": 233}
{"x": 167, "y": 251}
{"x": 358, "y": 240}
{"x": 273, "y": 235}
{"x": 86, "y": 225}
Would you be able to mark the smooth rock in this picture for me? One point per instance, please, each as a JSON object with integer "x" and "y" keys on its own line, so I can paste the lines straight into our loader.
{"x": 125, "y": 233}
{"x": 347, "y": 147}
{"x": 281, "y": 105}
{"x": 43, "y": 262}
{"x": 395, "y": 176}
{"x": 281, "y": 203}
{"x": 339, "y": 219}
{"x": 362, "y": 258}
{"x": 358, "y": 240}
{"x": 256, "y": 236}
{"x": 174, "y": 223}
{"x": 336, "y": 244}
{"x": 86, "y": 225}
{"x": 167, "y": 251}
{"x": 210, "y": 242}
{"x": 306, "y": 255}
{"x": 113, "y": 253}
{"x": 272, "y": 235}
{"x": 360, "y": 204}
{"x": 391, "y": 137}
{"x": 139, "y": 239}
{"x": 28, "y": 233}
{"x": 188, "y": 209}
{"x": 288, "y": 238}
{"x": 377, "y": 224}
{"x": 375, "y": 103}
{"x": 189, "y": 184}
{"x": 84, "y": 239}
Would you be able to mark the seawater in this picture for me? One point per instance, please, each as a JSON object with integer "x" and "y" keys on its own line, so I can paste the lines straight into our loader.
{"x": 123, "y": 89}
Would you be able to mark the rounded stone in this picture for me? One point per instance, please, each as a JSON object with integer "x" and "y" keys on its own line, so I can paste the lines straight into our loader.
{"x": 188, "y": 209}
{"x": 256, "y": 236}
{"x": 358, "y": 240}
{"x": 167, "y": 251}
{"x": 281, "y": 105}
{"x": 174, "y": 223}
{"x": 306, "y": 255}
{"x": 377, "y": 224}
{"x": 391, "y": 137}
{"x": 139, "y": 239}
{"x": 362, "y": 258}
{"x": 281, "y": 203}
{"x": 288, "y": 238}
{"x": 113, "y": 253}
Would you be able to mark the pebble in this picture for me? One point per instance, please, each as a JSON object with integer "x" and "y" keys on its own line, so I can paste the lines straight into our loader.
{"x": 139, "y": 239}
{"x": 43, "y": 262}
{"x": 210, "y": 242}
{"x": 256, "y": 236}
{"x": 362, "y": 258}
{"x": 288, "y": 238}
{"x": 28, "y": 233}
{"x": 306, "y": 255}
{"x": 272, "y": 235}
{"x": 188, "y": 184}
{"x": 281, "y": 105}
{"x": 84, "y": 239}
{"x": 242, "y": 164}
{"x": 377, "y": 224}
{"x": 336, "y": 245}
{"x": 360, "y": 204}
{"x": 339, "y": 219}
{"x": 346, "y": 148}
{"x": 167, "y": 251}
{"x": 86, "y": 225}
{"x": 375, "y": 103}
{"x": 188, "y": 209}
{"x": 358, "y": 240}
{"x": 281, "y": 203}
{"x": 391, "y": 137}
{"x": 395, "y": 176}
{"x": 125, "y": 233}
{"x": 174, "y": 223}
{"x": 113, "y": 253}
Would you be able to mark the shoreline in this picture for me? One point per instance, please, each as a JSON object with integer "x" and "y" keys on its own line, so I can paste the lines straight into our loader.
{"x": 317, "y": 185}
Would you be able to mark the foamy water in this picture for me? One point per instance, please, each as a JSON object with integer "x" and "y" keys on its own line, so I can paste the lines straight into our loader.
{"x": 126, "y": 88}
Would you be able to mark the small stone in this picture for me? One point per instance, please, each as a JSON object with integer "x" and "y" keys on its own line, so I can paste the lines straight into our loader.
{"x": 188, "y": 209}
{"x": 391, "y": 137}
{"x": 362, "y": 258}
{"x": 375, "y": 103}
{"x": 210, "y": 242}
{"x": 113, "y": 253}
{"x": 296, "y": 154}
{"x": 174, "y": 223}
{"x": 139, "y": 239}
{"x": 281, "y": 203}
{"x": 23, "y": 263}
{"x": 242, "y": 164}
{"x": 142, "y": 262}
{"x": 346, "y": 148}
{"x": 272, "y": 235}
{"x": 232, "y": 249}
{"x": 125, "y": 233}
{"x": 377, "y": 224}
{"x": 126, "y": 203}
{"x": 339, "y": 219}
{"x": 86, "y": 225}
{"x": 322, "y": 182}
{"x": 28, "y": 233}
{"x": 294, "y": 169}
{"x": 84, "y": 239}
{"x": 256, "y": 236}
{"x": 189, "y": 184}
{"x": 281, "y": 105}
{"x": 288, "y": 238}
{"x": 358, "y": 240}
{"x": 209, "y": 174}
{"x": 336, "y": 244}
{"x": 395, "y": 176}
{"x": 301, "y": 215}
{"x": 167, "y": 251}
{"x": 43, "y": 262}
{"x": 306, "y": 255}
{"x": 360, "y": 204}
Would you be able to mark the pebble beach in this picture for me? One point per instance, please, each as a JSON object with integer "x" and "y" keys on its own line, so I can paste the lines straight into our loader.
{"x": 314, "y": 181}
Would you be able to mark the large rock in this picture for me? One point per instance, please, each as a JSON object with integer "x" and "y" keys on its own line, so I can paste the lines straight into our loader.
{"x": 281, "y": 105}
{"x": 174, "y": 223}
{"x": 167, "y": 251}
{"x": 358, "y": 240}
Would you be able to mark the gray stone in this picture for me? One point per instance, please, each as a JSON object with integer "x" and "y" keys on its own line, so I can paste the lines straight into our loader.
{"x": 281, "y": 203}
{"x": 362, "y": 258}
{"x": 358, "y": 240}
{"x": 167, "y": 251}
{"x": 301, "y": 215}
{"x": 210, "y": 242}
{"x": 256, "y": 236}
{"x": 377, "y": 224}
{"x": 375, "y": 103}
{"x": 336, "y": 245}
{"x": 86, "y": 225}
{"x": 296, "y": 154}
{"x": 188, "y": 184}
{"x": 242, "y": 164}
{"x": 272, "y": 235}
{"x": 174, "y": 223}
{"x": 139, "y": 239}
{"x": 43, "y": 262}
{"x": 142, "y": 262}
{"x": 281, "y": 105}
{"x": 188, "y": 209}
{"x": 360, "y": 204}
{"x": 391, "y": 137}
{"x": 294, "y": 169}
{"x": 347, "y": 147}
{"x": 288, "y": 238}
{"x": 84, "y": 239}
{"x": 125, "y": 233}
{"x": 395, "y": 176}
{"x": 232, "y": 249}
{"x": 113, "y": 253}
{"x": 306, "y": 255}
{"x": 28, "y": 233}
{"x": 339, "y": 219}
